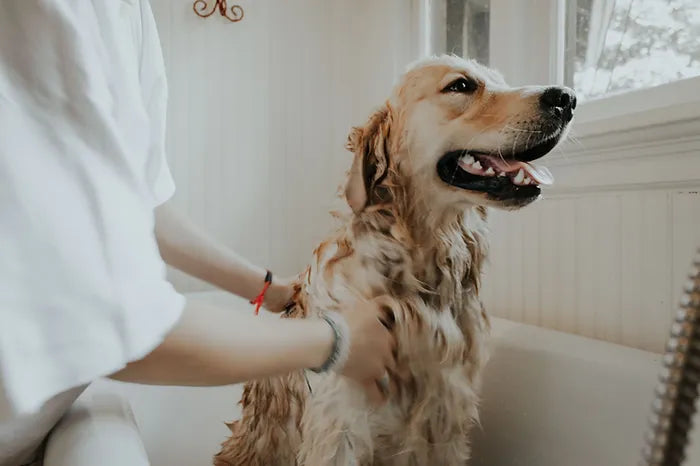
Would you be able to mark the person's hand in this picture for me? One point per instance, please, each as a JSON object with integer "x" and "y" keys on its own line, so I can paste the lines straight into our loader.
{"x": 372, "y": 346}
{"x": 279, "y": 295}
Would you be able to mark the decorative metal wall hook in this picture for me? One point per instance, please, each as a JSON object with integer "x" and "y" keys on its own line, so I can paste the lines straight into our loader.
{"x": 233, "y": 14}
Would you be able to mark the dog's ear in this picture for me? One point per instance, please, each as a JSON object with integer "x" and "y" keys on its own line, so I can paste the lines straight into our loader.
{"x": 370, "y": 144}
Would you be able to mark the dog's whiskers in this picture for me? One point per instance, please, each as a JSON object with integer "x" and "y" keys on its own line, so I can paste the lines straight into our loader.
{"x": 575, "y": 140}
{"x": 454, "y": 172}
{"x": 521, "y": 130}
{"x": 500, "y": 153}
{"x": 515, "y": 142}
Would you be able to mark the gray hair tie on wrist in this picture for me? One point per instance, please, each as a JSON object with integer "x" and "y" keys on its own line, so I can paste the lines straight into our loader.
{"x": 341, "y": 343}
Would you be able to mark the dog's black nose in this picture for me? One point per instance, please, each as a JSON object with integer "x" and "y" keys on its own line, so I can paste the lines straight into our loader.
{"x": 561, "y": 101}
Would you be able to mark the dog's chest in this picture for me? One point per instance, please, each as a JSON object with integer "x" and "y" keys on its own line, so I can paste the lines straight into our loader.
{"x": 439, "y": 322}
{"x": 440, "y": 330}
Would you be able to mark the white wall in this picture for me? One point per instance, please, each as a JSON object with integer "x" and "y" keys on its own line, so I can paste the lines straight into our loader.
{"x": 259, "y": 112}
{"x": 605, "y": 254}
{"x": 258, "y": 116}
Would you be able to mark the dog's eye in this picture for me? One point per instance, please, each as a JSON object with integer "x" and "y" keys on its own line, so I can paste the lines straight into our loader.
{"x": 462, "y": 85}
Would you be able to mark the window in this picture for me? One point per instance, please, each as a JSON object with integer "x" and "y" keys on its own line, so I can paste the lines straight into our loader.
{"x": 461, "y": 27}
{"x": 613, "y": 46}
{"x": 637, "y": 59}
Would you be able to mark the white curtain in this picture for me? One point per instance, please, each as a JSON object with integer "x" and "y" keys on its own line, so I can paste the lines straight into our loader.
{"x": 600, "y": 17}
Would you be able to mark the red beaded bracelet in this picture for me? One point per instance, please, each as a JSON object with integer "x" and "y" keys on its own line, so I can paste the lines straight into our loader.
{"x": 258, "y": 301}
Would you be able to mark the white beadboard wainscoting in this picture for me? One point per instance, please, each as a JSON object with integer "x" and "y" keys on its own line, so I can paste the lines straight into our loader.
{"x": 606, "y": 252}
{"x": 259, "y": 113}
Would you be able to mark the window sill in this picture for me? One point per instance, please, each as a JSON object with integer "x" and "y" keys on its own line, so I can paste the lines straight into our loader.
{"x": 656, "y": 122}
{"x": 630, "y": 150}
{"x": 658, "y": 106}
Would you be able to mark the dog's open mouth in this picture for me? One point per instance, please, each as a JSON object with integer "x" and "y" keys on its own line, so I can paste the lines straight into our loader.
{"x": 501, "y": 177}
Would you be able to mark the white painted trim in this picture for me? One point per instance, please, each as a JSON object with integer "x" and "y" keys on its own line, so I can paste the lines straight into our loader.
{"x": 577, "y": 191}
{"x": 419, "y": 41}
{"x": 557, "y": 50}
{"x": 676, "y": 101}
{"x": 654, "y": 140}
{"x": 660, "y": 156}
{"x": 424, "y": 28}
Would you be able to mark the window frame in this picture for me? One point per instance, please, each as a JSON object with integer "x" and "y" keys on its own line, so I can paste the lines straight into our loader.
{"x": 541, "y": 60}
{"x": 666, "y": 103}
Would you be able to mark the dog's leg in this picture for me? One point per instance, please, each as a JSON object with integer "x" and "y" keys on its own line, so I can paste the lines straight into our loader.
{"x": 268, "y": 433}
{"x": 335, "y": 425}
{"x": 434, "y": 431}
{"x": 415, "y": 452}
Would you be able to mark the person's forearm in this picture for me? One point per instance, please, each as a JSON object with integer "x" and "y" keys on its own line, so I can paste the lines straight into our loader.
{"x": 188, "y": 249}
{"x": 212, "y": 346}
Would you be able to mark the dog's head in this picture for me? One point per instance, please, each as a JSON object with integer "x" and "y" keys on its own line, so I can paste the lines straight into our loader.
{"x": 457, "y": 135}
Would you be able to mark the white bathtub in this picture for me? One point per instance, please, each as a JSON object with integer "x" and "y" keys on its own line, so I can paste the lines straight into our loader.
{"x": 550, "y": 399}
{"x": 554, "y": 399}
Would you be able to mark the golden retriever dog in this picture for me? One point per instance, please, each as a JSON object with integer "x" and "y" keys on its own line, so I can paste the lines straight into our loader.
{"x": 451, "y": 141}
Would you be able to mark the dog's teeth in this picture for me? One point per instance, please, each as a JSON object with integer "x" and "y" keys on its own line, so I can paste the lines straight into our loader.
{"x": 520, "y": 177}
{"x": 501, "y": 173}
{"x": 477, "y": 165}
{"x": 468, "y": 159}
{"x": 490, "y": 172}
{"x": 527, "y": 180}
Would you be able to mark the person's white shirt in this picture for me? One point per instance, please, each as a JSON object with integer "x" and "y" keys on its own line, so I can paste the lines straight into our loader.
{"x": 82, "y": 165}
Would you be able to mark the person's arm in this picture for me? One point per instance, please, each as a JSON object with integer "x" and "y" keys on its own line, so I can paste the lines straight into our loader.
{"x": 212, "y": 346}
{"x": 190, "y": 250}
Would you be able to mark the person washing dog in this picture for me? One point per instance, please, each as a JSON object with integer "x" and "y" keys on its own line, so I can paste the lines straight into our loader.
{"x": 84, "y": 234}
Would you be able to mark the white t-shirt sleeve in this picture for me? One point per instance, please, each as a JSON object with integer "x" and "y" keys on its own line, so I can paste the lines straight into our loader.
{"x": 154, "y": 87}
{"x": 82, "y": 114}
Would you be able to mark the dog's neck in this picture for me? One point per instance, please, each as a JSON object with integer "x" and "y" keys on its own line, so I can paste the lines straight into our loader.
{"x": 440, "y": 257}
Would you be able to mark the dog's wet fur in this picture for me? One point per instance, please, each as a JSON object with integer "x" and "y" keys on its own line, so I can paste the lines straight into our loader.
{"x": 416, "y": 234}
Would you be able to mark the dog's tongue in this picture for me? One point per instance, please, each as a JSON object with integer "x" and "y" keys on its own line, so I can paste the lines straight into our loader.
{"x": 540, "y": 174}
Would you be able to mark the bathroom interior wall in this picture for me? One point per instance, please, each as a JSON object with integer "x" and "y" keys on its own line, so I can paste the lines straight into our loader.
{"x": 605, "y": 254}
{"x": 259, "y": 113}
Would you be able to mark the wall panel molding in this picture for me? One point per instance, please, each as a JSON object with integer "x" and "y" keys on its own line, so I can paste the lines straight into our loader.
{"x": 608, "y": 246}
